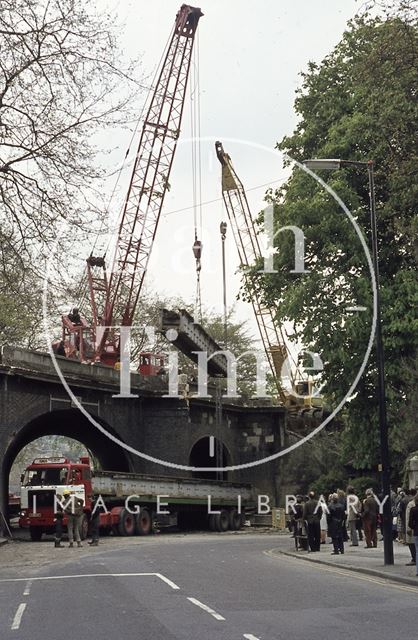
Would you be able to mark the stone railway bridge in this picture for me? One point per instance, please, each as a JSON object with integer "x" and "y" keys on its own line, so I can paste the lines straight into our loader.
{"x": 34, "y": 403}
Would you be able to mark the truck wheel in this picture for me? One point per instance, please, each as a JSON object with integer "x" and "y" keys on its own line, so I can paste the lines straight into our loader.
{"x": 143, "y": 522}
{"x": 126, "y": 524}
{"x": 212, "y": 521}
{"x": 234, "y": 520}
{"x": 223, "y": 521}
{"x": 35, "y": 533}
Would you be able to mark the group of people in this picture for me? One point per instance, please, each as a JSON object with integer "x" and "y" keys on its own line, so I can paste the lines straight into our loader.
{"x": 345, "y": 517}
{"x": 312, "y": 521}
{"x": 73, "y": 510}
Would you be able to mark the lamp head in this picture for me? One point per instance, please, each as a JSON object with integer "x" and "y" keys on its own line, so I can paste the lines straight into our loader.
{"x": 327, "y": 164}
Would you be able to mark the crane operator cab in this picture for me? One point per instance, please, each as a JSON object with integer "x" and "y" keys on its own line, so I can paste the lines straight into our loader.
{"x": 151, "y": 364}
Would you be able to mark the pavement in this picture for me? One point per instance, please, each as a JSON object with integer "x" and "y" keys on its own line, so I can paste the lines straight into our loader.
{"x": 359, "y": 559}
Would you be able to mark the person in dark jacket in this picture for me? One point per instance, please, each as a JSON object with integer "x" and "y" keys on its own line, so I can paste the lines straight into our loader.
{"x": 413, "y": 524}
{"x": 336, "y": 523}
{"x": 312, "y": 513}
{"x": 298, "y": 524}
{"x": 58, "y": 518}
{"x": 409, "y": 534}
{"x": 94, "y": 523}
{"x": 342, "y": 499}
{"x": 369, "y": 515}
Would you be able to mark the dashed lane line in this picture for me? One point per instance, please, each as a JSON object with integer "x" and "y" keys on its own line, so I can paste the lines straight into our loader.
{"x": 92, "y": 575}
{"x": 18, "y": 616}
{"x": 21, "y": 608}
{"x": 213, "y": 613}
{"x": 27, "y": 588}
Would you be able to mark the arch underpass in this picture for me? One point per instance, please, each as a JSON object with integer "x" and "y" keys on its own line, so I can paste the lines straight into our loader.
{"x": 72, "y": 424}
{"x": 201, "y": 455}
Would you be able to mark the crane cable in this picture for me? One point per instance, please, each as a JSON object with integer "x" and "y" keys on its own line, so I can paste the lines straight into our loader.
{"x": 196, "y": 174}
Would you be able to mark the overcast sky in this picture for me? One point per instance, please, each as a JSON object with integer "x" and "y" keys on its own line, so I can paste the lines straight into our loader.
{"x": 251, "y": 55}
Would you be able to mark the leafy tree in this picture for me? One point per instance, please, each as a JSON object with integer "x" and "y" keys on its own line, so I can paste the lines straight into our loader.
{"x": 362, "y": 483}
{"x": 61, "y": 83}
{"x": 20, "y": 303}
{"x": 359, "y": 103}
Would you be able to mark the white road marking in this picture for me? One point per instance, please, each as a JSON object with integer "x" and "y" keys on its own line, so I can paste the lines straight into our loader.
{"x": 172, "y": 584}
{"x": 250, "y": 636}
{"x": 18, "y": 616}
{"x": 92, "y": 575}
{"x": 213, "y": 613}
{"x": 347, "y": 573}
{"x": 27, "y": 588}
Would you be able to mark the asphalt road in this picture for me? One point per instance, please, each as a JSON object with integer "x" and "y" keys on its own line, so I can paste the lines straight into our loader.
{"x": 197, "y": 587}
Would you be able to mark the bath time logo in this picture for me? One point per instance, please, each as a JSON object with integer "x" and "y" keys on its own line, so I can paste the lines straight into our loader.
{"x": 232, "y": 362}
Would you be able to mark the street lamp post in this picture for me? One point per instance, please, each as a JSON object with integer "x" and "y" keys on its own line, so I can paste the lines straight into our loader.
{"x": 331, "y": 164}
{"x": 218, "y": 393}
{"x": 222, "y": 229}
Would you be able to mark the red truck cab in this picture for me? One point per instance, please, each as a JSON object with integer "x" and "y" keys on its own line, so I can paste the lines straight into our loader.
{"x": 45, "y": 479}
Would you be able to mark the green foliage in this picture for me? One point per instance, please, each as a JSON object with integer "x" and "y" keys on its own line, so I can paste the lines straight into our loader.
{"x": 330, "y": 482}
{"x": 315, "y": 465}
{"x": 359, "y": 103}
{"x": 20, "y": 301}
{"x": 361, "y": 484}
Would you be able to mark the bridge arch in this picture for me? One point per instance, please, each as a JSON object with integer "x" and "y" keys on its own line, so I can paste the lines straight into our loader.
{"x": 72, "y": 424}
{"x": 201, "y": 456}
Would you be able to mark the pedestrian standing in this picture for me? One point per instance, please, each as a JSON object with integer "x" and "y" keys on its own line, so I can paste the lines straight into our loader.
{"x": 58, "y": 517}
{"x": 413, "y": 525}
{"x": 369, "y": 514}
{"x": 312, "y": 513}
{"x": 342, "y": 499}
{"x": 400, "y": 508}
{"x": 73, "y": 509}
{"x": 324, "y": 527}
{"x": 359, "y": 524}
{"x": 94, "y": 523}
{"x": 353, "y": 514}
{"x": 409, "y": 534}
{"x": 336, "y": 524}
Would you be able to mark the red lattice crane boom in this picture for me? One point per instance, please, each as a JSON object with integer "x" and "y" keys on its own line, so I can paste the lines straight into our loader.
{"x": 114, "y": 296}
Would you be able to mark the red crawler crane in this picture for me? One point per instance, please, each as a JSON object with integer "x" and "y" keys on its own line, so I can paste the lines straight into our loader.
{"x": 114, "y": 296}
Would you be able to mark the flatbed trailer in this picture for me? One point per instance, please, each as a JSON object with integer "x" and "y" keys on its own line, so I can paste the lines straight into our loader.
{"x": 129, "y": 503}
